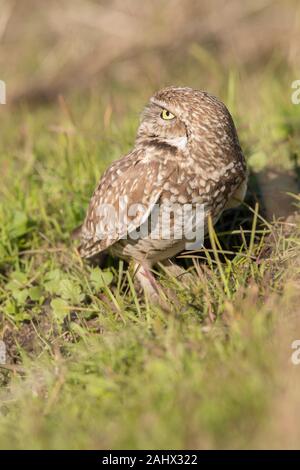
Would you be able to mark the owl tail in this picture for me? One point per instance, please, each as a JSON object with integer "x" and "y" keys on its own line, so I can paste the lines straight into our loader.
{"x": 93, "y": 255}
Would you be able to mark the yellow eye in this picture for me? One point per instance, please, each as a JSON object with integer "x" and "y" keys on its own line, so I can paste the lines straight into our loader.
{"x": 166, "y": 115}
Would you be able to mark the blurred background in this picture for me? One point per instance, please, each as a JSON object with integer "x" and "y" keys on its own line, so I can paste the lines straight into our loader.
{"x": 51, "y": 47}
{"x": 105, "y": 50}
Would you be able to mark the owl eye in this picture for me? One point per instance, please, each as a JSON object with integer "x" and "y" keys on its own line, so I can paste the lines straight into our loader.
{"x": 166, "y": 115}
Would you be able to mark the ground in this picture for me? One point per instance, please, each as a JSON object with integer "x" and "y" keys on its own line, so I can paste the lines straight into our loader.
{"x": 91, "y": 364}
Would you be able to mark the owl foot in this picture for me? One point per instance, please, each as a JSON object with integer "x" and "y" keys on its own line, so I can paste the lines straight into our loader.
{"x": 152, "y": 290}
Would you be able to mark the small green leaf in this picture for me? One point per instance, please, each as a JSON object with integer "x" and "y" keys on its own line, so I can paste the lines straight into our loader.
{"x": 60, "y": 308}
{"x": 100, "y": 279}
{"x": 22, "y": 316}
{"x": 52, "y": 281}
{"x": 10, "y": 307}
{"x": 13, "y": 286}
{"x": 35, "y": 293}
{"x": 20, "y": 296}
{"x": 18, "y": 280}
{"x": 55, "y": 274}
{"x": 52, "y": 287}
{"x": 19, "y": 276}
{"x": 19, "y": 315}
{"x": 71, "y": 291}
{"x": 19, "y": 225}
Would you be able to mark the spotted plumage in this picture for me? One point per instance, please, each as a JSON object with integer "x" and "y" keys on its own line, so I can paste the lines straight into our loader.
{"x": 186, "y": 152}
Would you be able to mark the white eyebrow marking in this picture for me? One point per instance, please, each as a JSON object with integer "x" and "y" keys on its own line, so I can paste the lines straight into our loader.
{"x": 179, "y": 142}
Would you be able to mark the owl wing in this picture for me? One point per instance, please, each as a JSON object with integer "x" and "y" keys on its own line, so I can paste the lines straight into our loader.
{"x": 122, "y": 202}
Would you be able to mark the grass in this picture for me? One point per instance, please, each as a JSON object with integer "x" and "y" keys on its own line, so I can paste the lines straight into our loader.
{"x": 90, "y": 363}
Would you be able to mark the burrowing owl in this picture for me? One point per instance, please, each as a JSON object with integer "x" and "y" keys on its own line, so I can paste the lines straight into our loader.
{"x": 186, "y": 153}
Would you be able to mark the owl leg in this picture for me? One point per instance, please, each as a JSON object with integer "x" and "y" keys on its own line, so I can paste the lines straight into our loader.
{"x": 152, "y": 290}
{"x": 146, "y": 280}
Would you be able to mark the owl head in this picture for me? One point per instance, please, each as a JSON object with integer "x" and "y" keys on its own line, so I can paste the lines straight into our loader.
{"x": 190, "y": 120}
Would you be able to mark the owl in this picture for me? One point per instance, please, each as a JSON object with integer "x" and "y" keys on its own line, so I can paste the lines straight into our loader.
{"x": 186, "y": 154}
